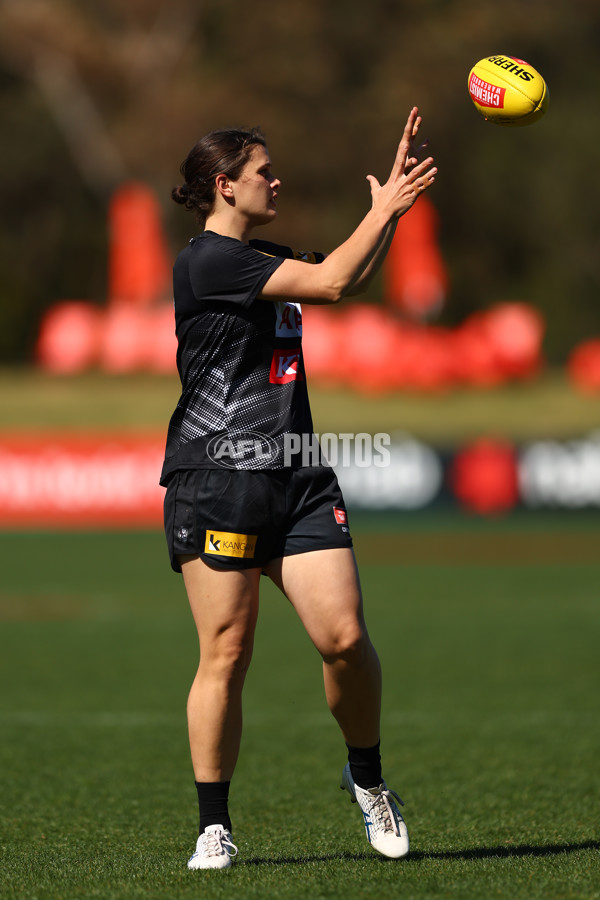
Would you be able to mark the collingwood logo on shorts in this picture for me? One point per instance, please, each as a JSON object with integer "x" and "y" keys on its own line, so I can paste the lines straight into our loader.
{"x": 225, "y": 543}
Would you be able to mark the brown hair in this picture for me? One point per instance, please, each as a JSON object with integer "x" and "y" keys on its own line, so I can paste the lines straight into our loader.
{"x": 227, "y": 150}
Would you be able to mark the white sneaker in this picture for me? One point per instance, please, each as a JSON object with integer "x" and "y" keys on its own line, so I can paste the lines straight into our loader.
{"x": 385, "y": 827}
{"x": 214, "y": 849}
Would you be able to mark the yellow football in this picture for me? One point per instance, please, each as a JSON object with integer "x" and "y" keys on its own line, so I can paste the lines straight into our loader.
{"x": 507, "y": 90}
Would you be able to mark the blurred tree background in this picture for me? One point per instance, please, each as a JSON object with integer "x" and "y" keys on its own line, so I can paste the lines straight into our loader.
{"x": 97, "y": 92}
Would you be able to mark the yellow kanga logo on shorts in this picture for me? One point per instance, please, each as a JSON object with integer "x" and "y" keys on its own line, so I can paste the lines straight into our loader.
{"x": 224, "y": 543}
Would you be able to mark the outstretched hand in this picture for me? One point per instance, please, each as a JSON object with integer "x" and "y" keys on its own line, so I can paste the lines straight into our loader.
{"x": 409, "y": 178}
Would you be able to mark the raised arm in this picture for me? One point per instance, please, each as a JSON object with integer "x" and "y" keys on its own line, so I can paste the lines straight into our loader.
{"x": 361, "y": 254}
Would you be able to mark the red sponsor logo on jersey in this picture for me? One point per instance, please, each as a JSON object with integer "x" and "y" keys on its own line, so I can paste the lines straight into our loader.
{"x": 340, "y": 515}
{"x": 285, "y": 366}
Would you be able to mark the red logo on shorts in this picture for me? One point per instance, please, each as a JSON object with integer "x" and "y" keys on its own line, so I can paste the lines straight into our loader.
{"x": 340, "y": 515}
{"x": 285, "y": 366}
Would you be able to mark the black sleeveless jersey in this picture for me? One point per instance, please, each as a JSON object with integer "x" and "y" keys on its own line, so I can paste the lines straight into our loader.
{"x": 243, "y": 385}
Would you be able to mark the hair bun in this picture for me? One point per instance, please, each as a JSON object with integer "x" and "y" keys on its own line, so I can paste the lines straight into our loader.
{"x": 181, "y": 193}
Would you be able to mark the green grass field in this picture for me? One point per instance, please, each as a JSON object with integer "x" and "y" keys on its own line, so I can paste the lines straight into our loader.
{"x": 489, "y": 637}
{"x": 488, "y": 633}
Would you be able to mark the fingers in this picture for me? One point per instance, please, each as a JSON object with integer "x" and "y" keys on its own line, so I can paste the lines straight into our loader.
{"x": 423, "y": 183}
{"x": 409, "y": 178}
{"x": 420, "y": 169}
{"x": 412, "y": 123}
{"x": 407, "y": 137}
{"x": 411, "y": 128}
{"x": 423, "y": 180}
{"x": 421, "y": 176}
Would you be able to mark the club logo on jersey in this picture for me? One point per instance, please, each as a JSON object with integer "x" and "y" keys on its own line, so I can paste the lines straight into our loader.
{"x": 285, "y": 366}
{"x": 226, "y": 543}
{"x": 340, "y": 515}
{"x": 289, "y": 319}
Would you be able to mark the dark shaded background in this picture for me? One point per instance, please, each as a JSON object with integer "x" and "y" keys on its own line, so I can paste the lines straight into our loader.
{"x": 96, "y": 92}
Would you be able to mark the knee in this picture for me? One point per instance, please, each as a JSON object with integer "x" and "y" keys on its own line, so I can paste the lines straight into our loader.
{"x": 228, "y": 657}
{"x": 350, "y": 644}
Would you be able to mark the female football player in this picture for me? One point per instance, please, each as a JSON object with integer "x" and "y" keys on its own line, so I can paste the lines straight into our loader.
{"x": 239, "y": 501}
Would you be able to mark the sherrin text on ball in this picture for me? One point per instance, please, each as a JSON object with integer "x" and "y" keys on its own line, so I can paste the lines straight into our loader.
{"x": 507, "y": 90}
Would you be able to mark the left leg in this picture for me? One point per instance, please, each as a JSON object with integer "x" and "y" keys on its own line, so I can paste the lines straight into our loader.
{"x": 324, "y": 589}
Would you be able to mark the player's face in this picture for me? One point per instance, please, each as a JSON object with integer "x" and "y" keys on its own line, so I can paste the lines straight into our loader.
{"x": 256, "y": 188}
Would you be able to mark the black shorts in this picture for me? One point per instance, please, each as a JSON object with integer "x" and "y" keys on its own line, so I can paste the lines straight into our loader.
{"x": 238, "y": 519}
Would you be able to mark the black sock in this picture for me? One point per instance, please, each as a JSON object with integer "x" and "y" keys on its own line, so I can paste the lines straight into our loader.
{"x": 212, "y": 802}
{"x": 365, "y": 765}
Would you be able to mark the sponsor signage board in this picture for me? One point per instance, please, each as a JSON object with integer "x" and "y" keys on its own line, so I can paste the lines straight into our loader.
{"x": 110, "y": 480}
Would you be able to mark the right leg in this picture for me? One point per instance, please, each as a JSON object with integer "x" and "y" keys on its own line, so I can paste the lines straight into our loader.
{"x": 225, "y": 608}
